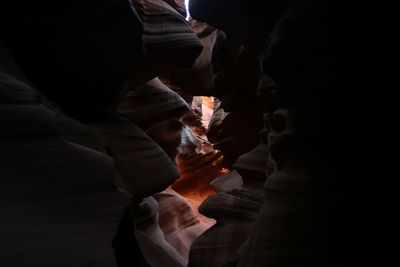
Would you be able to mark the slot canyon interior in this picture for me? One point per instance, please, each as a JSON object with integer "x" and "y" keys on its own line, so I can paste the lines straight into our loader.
{"x": 165, "y": 133}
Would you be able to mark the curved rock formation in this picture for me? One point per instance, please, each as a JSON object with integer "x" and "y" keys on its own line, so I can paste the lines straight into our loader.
{"x": 81, "y": 54}
{"x": 178, "y": 5}
{"x": 235, "y": 213}
{"x": 289, "y": 230}
{"x": 157, "y": 251}
{"x": 234, "y": 133}
{"x": 198, "y": 79}
{"x": 255, "y": 165}
{"x": 180, "y": 221}
{"x": 167, "y": 134}
{"x": 59, "y": 204}
{"x": 235, "y": 208}
{"x": 119, "y": 66}
{"x": 151, "y": 103}
{"x": 198, "y": 164}
{"x": 142, "y": 168}
{"x": 226, "y": 182}
{"x": 168, "y": 40}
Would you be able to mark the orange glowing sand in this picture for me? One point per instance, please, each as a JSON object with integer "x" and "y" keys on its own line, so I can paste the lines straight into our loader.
{"x": 198, "y": 164}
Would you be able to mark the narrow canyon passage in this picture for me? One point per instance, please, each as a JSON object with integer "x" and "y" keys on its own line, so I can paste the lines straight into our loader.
{"x": 165, "y": 133}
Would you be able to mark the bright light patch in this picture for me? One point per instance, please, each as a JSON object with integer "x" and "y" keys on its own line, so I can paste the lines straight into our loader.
{"x": 207, "y": 108}
{"x": 187, "y": 9}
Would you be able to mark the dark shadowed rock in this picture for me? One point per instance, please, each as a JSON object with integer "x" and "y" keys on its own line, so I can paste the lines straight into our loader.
{"x": 268, "y": 64}
{"x": 59, "y": 204}
{"x": 167, "y": 134}
{"x": 235, "y": 208}
{"x": 226, "y": 182}
{"x": 151, "y": 103}
{"x": 226, "y": 15}
{"x": 169, "y": 43}
{"x": 290, "y": 227}
{"x": 234, "y": 133}
{"x": 178, "y": 5}
{"x": 235, "y": 213}
{"x": 142, "y": 168}
{"x": 81, "y": 53}
{"x": 254, "y": 166}
{"x": 198, "y": 79}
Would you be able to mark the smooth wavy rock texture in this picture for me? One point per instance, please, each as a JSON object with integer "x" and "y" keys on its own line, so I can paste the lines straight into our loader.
{"x": 168, "y": 40}
{"x": 59, "y": 204}
{"x": 198, "y": 164}
{"x": 151, "y": 103}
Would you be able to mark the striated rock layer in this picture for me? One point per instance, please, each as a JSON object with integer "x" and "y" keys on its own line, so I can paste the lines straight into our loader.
{"x": 151, "y": 103}
{"x": 180, "y": 221}
{"x": 82, "y": 50}
{"x": 59, "y": 204}
{"x": 198, "y": 164}
{"x": 235, "y": 208}
{"x": 267, "y": 63}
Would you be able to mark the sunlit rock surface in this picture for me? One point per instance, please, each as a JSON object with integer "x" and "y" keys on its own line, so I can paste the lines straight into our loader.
{"x": 180, "y": 221}
{"x": 177, "y": 214}
{"x": 198, "y": 164}
{"x": 157, "y": 251}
